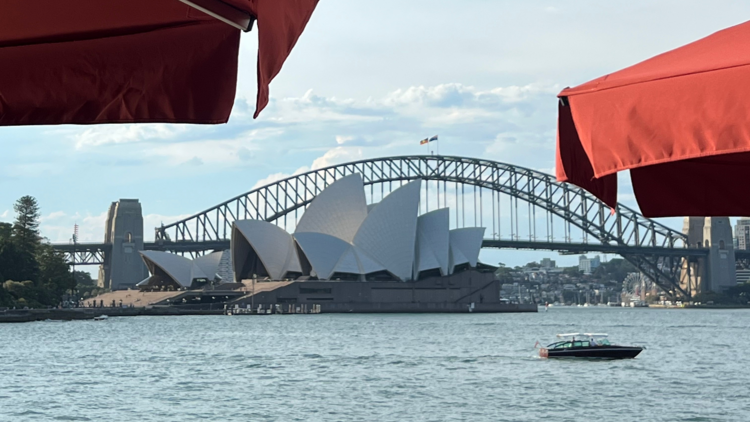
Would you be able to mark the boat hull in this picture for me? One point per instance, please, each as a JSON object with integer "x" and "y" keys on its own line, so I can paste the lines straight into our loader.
{"x": 596, "y": 352}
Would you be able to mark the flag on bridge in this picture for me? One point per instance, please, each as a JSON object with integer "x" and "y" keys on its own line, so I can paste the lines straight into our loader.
{"x": 428, "y": 140}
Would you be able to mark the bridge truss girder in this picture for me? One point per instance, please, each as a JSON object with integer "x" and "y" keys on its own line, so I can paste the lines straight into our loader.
{"x": 622, "y": 227}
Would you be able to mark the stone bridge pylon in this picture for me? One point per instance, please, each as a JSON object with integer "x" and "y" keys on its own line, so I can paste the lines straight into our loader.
{"x": 123, "y": 267}
{"x": 716, "y": 271}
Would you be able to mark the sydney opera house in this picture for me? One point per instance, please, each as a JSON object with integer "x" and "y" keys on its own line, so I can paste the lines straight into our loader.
{"x": 340, "y": 238}
{"x": 347, "y": 256}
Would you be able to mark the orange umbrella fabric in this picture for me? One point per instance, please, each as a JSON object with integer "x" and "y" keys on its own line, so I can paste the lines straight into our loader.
{"x": 133, "y": 61}
{"x": 680, "y": 122}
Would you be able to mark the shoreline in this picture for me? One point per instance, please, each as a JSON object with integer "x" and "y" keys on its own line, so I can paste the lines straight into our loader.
{"x": 71, "y": 314}
{"x": 75, "y": 314}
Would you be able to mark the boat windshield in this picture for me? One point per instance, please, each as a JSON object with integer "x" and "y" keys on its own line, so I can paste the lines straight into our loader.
{"x": 578, "y": 343}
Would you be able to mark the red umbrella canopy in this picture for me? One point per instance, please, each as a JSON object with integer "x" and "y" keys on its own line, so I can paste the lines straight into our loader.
{"x": 134, "y": 61}
{"x": 680, "y": 122}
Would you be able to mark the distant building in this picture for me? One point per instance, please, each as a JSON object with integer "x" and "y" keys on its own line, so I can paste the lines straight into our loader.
{"x": 587, "y": 265}
{"x": 742, "y": 234}
{"x": 548, "y": 263}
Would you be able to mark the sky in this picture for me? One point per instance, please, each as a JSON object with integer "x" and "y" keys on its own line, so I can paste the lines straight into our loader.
{"x": 366, "y": 79}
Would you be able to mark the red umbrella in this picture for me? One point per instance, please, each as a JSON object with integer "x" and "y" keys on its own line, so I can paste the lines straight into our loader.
{"x": 128, "y": 61}
{"x": 680, "y": 122}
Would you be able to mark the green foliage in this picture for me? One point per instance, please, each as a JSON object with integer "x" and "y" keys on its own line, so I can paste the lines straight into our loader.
{"x": 26, "y": 226}
{"x": 86, "y": 285}
{"x": 33, "y": 273}
{"x": 15, "y": 263}
{"x": 6, "y": 230}
{"x": 616, "y": 269}
{"x": 736, "y": 295}
{"x": 504, "y": 274}
{"x": 572, "y": 271}
{"x": 741, "y": 290}
{"x": 83, "y": 279}
{"x": 54, "y": 272}
{"x": 22, "y": 290}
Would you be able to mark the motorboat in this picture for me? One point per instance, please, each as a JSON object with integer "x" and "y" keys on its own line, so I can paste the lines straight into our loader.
{"x": 101, "y": 318}
{"x": 588, "y": 345}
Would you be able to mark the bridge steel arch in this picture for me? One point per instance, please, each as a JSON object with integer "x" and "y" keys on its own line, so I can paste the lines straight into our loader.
{"x": 653, "y": 248}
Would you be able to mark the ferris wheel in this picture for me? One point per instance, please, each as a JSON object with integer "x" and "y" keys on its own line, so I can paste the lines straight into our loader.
{"x": 637, "y": 284}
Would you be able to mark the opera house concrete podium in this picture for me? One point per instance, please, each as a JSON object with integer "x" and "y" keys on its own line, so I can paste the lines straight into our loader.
{"x": 347, "y": 256}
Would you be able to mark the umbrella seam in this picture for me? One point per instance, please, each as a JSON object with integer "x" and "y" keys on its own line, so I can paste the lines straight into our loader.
{"x": 617, "y": 169}
{"x": 596, "y": 89}
{"x": 134, "y": 31}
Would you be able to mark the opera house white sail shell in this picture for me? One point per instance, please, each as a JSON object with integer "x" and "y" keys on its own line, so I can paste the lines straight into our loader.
{"x": 263, "y": 249}
{"x": 389, "y": 232}
{"x": 329, "y": 255}
{"x": 337, "y": 211}
{"x": 433, "y": 242}
{"x": 341, "y": 237}
{"x": 167, "y": 268}
{"x": 465, "y": 245}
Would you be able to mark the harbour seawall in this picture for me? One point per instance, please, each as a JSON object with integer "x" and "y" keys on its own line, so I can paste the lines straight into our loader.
{"x": 31, "y": 315}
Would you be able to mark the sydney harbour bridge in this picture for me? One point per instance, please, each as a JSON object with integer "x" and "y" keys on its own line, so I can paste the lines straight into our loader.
{"x": 520, "y": 208}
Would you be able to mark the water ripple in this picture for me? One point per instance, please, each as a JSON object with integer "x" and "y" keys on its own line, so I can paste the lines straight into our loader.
{"x": 478, "y": 367}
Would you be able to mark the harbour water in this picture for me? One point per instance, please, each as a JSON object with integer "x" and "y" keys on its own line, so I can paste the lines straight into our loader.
{"x": 383, "y": 367}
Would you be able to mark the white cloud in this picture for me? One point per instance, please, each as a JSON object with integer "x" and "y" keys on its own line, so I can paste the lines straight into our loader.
{"x": 120, "y": 134}
{"x": 232, "y": 151}
{"x": 58, "y": 226}
{"x": 337, "y": 155}
{"x": 343, "y": 139}
{"x": 278, "y": 176}
{"x": 312, "y": 124}
{"x": 152, "y": 221}
{"x": 52, "y": 216}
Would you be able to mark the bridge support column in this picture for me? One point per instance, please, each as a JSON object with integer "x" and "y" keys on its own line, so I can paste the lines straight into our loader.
{"x": 721, "y": 269}
{"x": 716, "y": 272}
{"x": 123, "y": 267}
{"x": 692, "y": 274}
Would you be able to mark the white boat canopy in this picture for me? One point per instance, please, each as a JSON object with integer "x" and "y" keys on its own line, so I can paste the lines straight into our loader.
{"x": 583, "y": 335}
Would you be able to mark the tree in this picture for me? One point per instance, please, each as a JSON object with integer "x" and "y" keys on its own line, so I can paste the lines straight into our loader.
{"x": 86, "y": 285}
{"x": 26, "y": 226}
{"x": 17, "y": 264}
{"x": 83, "y": 279}
{"x": 504, "y": 274}
{"x": 6, "y": 230}
{"x": 616, "y": 269}
{"x": 54, "y": 273}
{"x": 21, "y": 293}
{"x": 33, "y": 273}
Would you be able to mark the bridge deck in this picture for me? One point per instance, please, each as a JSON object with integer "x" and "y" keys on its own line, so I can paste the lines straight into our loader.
{"x": 577, "y": 248}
